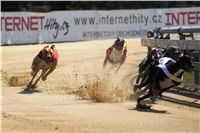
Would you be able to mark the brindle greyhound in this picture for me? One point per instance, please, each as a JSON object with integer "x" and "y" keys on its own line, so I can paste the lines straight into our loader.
{"x": 168, "y": 75}
{"x": 46, "y": 60}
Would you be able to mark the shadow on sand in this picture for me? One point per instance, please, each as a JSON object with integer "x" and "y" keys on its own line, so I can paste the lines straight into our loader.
{"x": 151, "y": 110}
{"x": 184, "y": 92}
{"x": 29, "y": 91}
{"x": 181, "y": 102}
{"x": 181, "y": 92}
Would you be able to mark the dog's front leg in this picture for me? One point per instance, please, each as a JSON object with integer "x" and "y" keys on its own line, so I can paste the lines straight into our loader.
{"x": 120, "y": 64}
{"x": 138, "y": 78}
{"x": 36, "y": 81}
{"x": 156, "y": 89}
{"x": 33, "y": 73}
{"x": 118, "y": 68}
{"x": 104, "y": 63}
{"x": 165, "y": 89}
{"x": 113, "y": 66}
{"x": 30, "y": 83}
{"x": 44, "y": 77}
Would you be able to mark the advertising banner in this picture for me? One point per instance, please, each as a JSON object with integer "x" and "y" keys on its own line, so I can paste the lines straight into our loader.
{"x": 61, "y": 26}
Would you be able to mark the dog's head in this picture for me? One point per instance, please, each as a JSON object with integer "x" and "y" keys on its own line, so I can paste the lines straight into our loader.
{"x": 186, "y": 63}
{"x": 173, "y": 52}
{"x": 119, "y": 43}
{"x": 47, "y": 54}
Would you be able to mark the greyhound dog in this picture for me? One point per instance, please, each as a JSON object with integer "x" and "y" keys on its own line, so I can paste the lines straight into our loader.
{"x": 116, "y": 54}
{"x": 46, "y": 60}
{"x": 169, "y": 74}
{"x": 148, "y": 67}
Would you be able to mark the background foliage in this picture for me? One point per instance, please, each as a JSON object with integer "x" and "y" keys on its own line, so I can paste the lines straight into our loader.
{"x": 45, "y": 6}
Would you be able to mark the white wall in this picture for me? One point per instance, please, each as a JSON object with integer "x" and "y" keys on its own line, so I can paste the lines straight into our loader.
{"x": 28, "y": 27}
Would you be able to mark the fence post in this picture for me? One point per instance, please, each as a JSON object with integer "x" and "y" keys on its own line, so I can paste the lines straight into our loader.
{"x": 197, "y": 72}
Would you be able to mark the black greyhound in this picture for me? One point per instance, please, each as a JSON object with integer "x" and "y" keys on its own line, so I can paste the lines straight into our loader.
{"x": 166, "y": 77}
{"x": 147, "y": 68}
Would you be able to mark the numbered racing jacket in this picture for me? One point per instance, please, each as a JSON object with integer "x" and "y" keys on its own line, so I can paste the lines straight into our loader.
{"x": 116, "y": 56}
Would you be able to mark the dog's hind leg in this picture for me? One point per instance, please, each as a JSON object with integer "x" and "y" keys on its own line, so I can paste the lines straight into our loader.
{"x": 138, "y": 78}
{"x": 146, "y": 82}
{"x": 165, "y": 89}
{"x": 140, "y": 92}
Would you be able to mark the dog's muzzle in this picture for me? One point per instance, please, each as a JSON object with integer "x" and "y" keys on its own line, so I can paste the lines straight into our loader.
{"x": 48, "y": 58}
{"x": 190, "y": 68}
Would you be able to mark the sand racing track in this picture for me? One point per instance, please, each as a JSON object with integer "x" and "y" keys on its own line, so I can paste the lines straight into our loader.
{"x": 64, "y": 105}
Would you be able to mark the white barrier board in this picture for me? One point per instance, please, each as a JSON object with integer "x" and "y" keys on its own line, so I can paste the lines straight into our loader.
{"x": 60, "y": 26}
